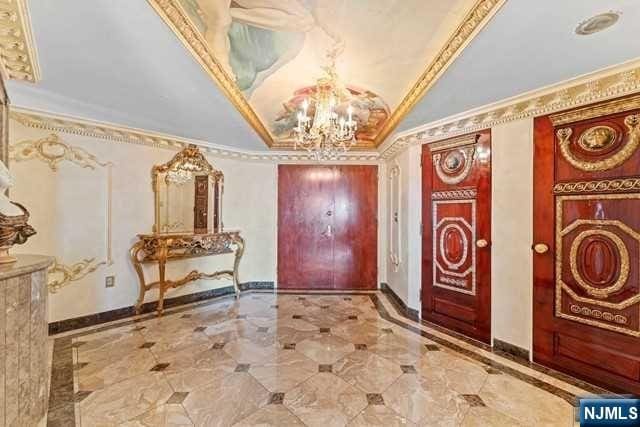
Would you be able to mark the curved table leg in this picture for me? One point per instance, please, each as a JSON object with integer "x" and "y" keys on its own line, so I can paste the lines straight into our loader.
{"x": 133, "y": 253}
{"x": 239, "y": 242}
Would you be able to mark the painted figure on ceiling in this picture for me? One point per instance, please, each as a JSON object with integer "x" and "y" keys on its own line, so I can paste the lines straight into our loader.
{"x": 251, "y": 39}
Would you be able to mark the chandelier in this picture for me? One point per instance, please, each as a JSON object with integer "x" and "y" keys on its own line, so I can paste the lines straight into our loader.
{"x": 327, "y": 134}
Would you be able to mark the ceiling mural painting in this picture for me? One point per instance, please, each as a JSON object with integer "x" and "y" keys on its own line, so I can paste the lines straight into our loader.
{"x": 268, "y": 55}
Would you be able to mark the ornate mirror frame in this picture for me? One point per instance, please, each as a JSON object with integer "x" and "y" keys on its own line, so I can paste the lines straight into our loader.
{"x": 191, "y": 160}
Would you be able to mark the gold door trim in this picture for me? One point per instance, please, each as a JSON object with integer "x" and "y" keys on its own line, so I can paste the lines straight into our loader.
{"x": 593, "y": 111}
{"x": 561, "y": 287}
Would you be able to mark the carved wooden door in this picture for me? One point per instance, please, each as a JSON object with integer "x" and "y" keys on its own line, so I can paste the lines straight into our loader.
{"x": 201, "y": 202}
{"x": 456, "y": 211}
{"x": 327, "y": 227}
{"x": 587, "y": 243}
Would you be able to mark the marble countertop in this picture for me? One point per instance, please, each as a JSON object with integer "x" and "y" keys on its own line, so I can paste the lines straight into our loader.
{"x": 24, "y": 265}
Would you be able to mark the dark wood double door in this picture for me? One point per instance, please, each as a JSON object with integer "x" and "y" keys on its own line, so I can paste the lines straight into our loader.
{"x": 327, "y": 226}
{"x": 586, "y": 248}
{"x": 456, "y": 220}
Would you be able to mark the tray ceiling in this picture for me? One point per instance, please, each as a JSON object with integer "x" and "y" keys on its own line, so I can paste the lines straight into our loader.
{"x": 267, "y": 54}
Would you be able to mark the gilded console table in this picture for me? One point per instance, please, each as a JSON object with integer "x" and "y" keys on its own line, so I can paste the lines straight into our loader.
{"x": 162, "y": 247}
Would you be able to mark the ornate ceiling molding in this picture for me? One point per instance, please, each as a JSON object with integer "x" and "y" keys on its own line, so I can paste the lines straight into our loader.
{"x": 600, "y": 86}
{"x": 18, "y": 55}
{"x": 475, "y": 20}
{"x": 115, "y": 133}
{"x": 176, "y": 18}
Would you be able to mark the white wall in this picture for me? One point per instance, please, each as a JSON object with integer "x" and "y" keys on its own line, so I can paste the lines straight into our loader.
{"x": 406, "y": 282}
{"x": 512, "y": 210}
{"x": 68, "y": 209}
{"x": 512, "y": 232}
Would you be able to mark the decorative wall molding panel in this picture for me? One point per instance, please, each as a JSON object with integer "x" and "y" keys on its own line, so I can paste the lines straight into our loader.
{"x": 18, "y": 55}
{"x": 53, "y": 150}
{"x": 115, "y": 133}
{"x": 600, "y": 86}
{"x": 605, "y": 185}
{"x": 395, "y": 213}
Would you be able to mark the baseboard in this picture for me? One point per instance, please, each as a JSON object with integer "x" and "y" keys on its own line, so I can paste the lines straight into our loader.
{"x": 511, "y": 349}
{"x": 409, "y": 312}
{"x": 148, "y": 307}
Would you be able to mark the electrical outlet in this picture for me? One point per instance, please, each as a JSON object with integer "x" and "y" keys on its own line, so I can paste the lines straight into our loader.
{"x": 109, "y": 281}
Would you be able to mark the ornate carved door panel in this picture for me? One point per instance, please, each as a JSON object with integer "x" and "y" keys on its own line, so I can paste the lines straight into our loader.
{"x": 327, "y": 227}
{"x": 587, "y": 243}
{"x": 201, "y": 203}
{"x": 456, "y": 261}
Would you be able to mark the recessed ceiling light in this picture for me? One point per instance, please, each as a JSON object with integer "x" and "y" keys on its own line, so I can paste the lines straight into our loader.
{"x": 597, "y": 23}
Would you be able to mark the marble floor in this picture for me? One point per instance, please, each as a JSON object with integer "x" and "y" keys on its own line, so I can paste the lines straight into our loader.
{"x": 293, "y": 360}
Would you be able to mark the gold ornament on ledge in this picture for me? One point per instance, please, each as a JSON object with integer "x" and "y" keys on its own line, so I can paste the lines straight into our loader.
{"x": 13, "y": 219}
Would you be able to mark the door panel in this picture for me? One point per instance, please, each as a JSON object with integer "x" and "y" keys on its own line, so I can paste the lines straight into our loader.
{"x": 305, "y": 244}
{"x": 356, "y": 227}
{"x": 456, "y": 281}
{"x": 587, "y": 285}
{"x": 327, "y": 227}
{"x": 201, "y": 204}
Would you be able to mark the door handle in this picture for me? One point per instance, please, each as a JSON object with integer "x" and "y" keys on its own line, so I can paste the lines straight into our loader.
{"x": 540, "y": 248}
{"x": 482, "y": 243}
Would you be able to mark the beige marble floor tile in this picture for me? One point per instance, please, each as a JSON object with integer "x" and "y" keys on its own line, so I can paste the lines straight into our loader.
{"x": 457, "y": 373}
{"x": 112, "y": 346}
{"x": 359, "y": 332}
{"x": 325, "y": 400}
{"x": 525, "y": 402}
{"x": 196, "y": 367}
{"x": 297, "y": 324}
{"x": 271, "y": 416}
{"x": 103, "y": 372}
{"x": 161, "y": 416}
{"x": 285, "y": 335}
{"x": 245, "y": 351}
{"x": 367, "y": 371}
{"x": 488, "y": 417}
{"x": 379, "y": 416}
{"x": 238, "y": 328}
{"x": 124, "y": 400}
{"x": 213, "y": 315}
{"x": 325, "y": 348}
{"x": 226, "y": 401}
{"x": 403, "y": 350}
{"x": 288, "y": 369}
{"x": 425, "y": 402}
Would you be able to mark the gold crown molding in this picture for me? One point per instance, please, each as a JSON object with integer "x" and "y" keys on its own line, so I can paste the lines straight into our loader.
{"x": 18, "y": 55}
{"x": 53, "y": 150}
{"x": 600, "y": 86}
{"x": 121, "y": 134}
{"x": 454, "y": 143}
{"x": 589, "y": 112}
{"x": 176, "y": 18}
{"x": 475, "y": 20}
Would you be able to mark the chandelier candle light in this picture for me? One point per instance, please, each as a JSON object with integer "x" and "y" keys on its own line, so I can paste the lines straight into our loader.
{"x": 327, "y": 134}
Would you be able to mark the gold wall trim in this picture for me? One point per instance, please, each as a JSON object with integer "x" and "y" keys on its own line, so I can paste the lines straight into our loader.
{"x": 592, "y": 111}
{"x": 176, "y": 18}
{"x": 53, "y": 150}
{"x": 122, "y": 134}
{"x": 614, "y": 82}
{"x": 453, "y": 143}
{"x": 18, "y": 55}
{"x": 475, "y": 20}
{"x": 60, "y": 275}
{"x": 605, "y": 185}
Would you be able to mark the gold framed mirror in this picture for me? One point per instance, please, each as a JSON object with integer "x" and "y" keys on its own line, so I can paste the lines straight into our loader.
{"x": 188, "y": 194}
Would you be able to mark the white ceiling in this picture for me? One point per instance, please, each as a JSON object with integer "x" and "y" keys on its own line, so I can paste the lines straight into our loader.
{"x": 117, "y": 61}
